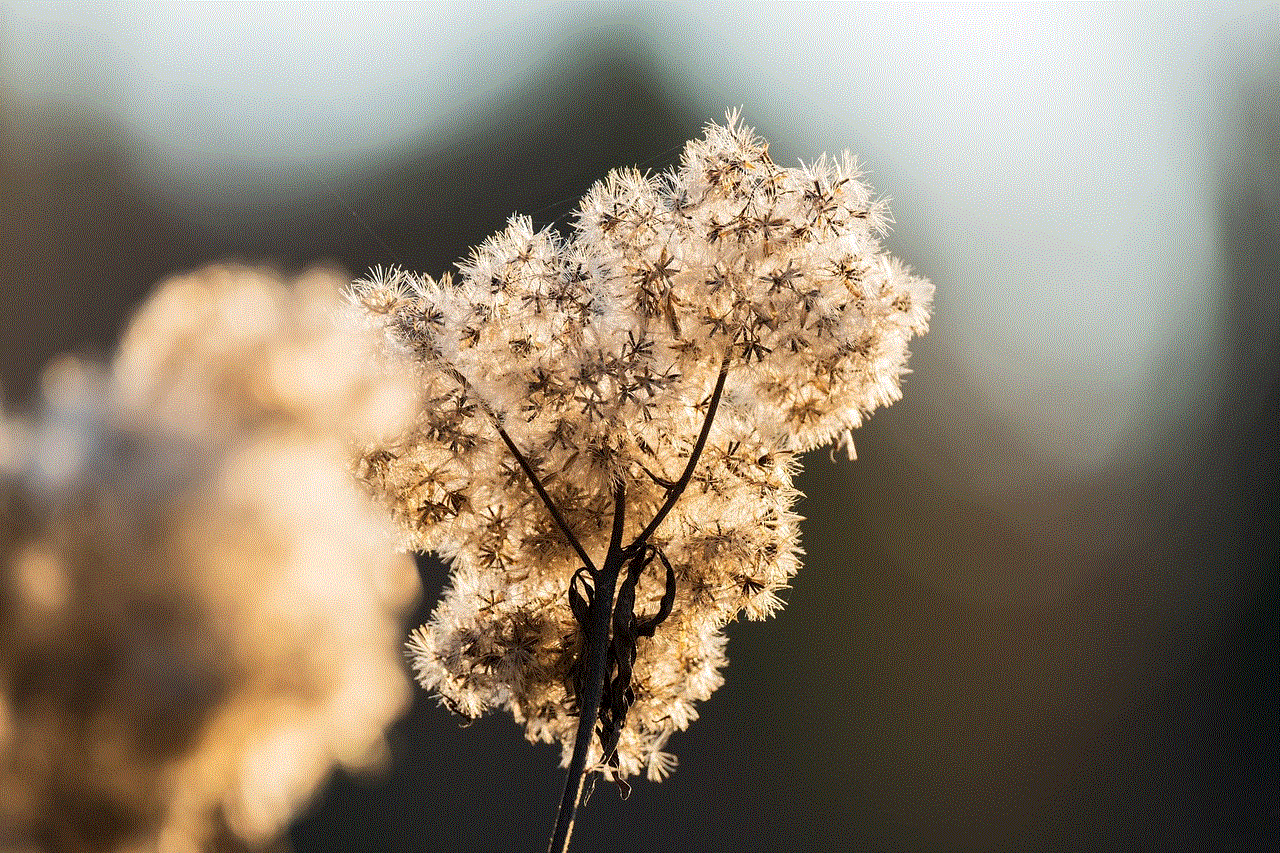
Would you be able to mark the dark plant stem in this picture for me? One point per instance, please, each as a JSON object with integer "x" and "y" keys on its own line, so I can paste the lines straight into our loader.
{"x": 595, "y": 661}
{"x": 596, "y": 630}
{"x": 546, "y": 498}
{"x": 527, "y": 467}
{"x": 677, "y": 489}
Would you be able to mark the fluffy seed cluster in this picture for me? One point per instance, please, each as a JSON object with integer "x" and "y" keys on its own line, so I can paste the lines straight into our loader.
{"x": 199, "y": 607}
{"x": 598, "y": 354}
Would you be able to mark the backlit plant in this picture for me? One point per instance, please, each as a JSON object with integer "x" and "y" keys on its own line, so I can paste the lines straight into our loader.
{"x": 611, "y": 427}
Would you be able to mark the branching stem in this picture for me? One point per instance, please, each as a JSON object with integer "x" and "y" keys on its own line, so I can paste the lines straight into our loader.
{"x": 595, "y": 662}
{"x": 596, "y": 629}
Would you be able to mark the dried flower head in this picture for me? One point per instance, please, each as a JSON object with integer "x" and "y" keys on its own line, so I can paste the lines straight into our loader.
{"x": 198, "y": 605}
{"x": 632, "y": 399}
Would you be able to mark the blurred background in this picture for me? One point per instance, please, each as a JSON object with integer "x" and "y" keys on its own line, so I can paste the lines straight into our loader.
{"x": 1039, "y": 612}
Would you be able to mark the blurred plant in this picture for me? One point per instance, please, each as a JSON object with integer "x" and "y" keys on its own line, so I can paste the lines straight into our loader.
{"x": 198, "y": 605}
{"x": 611, "y": 430}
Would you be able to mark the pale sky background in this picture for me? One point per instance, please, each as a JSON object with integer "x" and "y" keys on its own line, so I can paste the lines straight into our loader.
{"x": 1055, "y": 169}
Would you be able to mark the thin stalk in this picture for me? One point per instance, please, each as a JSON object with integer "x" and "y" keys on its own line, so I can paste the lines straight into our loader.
{"x": 595, "y": 661}
{"x": 529, "y": 472}
{"x": 677, "y": 489}
{"x": 546, "y": 498}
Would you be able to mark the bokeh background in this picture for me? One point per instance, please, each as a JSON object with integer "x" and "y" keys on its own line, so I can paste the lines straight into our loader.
{"x": 1038, "y": 613}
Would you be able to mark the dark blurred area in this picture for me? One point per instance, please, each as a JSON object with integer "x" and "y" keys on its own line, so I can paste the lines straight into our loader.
{"x": 1083, "y": 662}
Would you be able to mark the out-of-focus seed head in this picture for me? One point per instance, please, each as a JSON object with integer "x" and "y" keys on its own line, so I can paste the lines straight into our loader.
{"x": 199, "y": 607}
